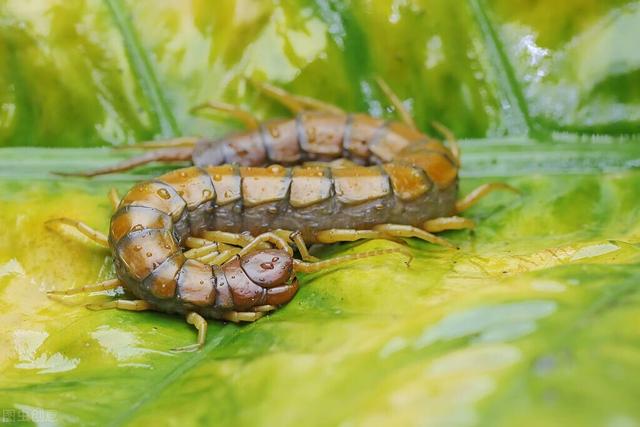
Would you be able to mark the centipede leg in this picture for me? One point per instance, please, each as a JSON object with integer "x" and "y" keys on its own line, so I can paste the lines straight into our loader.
{"x": 121, "y": 304}
{"x": 447, "y": 223}
{"x": 245, "y": 117}
{"x": 335, "y": 235}
{"x": 480, "y": 192}
{"x": 268, "y": 237}
{"x": 220, "y": 258}
{"x": 296, "y": 237}
{"x": 236, "y": 239}
{"x": 114, "y": 198}
{"x": 450, "y": 138}
{"x": 201, "y": 326}
{"x": 162, "y": 155}
{"x": 102, "y": 286}
{"x": 405, "y": 115}
{"x": 295, "y": 103}
{"x": 264, "y": 308}
{"x": 242, "y": 316}
{"x": 83, "y": 228}
{"x": 398, "y": 230}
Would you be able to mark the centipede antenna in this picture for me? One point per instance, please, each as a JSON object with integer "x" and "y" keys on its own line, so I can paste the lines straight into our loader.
{"x": 102, "y": 286}
{"x": 83, "y": 228}
{"x": 312, "y": 267}
{"x": 164, "y": 155}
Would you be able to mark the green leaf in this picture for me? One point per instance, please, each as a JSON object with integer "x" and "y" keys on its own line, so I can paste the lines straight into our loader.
{"x": 532, "y": 321}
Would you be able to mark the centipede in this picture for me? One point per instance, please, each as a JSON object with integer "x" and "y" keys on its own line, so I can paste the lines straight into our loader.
{"x": 216, "y": 240}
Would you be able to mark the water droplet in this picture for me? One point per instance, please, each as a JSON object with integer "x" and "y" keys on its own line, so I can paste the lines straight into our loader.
{"x": 202, "y": 282}
{"x": 180, "y": 193}
{"x": 137, "y": 227}
{"x": 206, "y": 194}
{"x": 276, "y": 168}
{"x": 163, "y": 193}
{"x": 266, "y": 266}
{"x": 217, "y": 177}
{"x": 274, "y": 131}
{"x": 137, "y": 248}
{"x": 275, "y": 259}
{"x": 183, "y": 174}
{"x": 272, "y": 210}
{"x": 227, "y": 194}
{"x": 149, "y": 254}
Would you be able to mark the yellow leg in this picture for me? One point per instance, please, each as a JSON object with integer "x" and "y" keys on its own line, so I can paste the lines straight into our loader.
{"x": 236, "y": 239}
{"x": 114, "y": 198}
{"x": 451, "y": 139}
{"x": 201, "y": 326}
{"x": 400, "y": 108}
{"x": 220, "y": 258}
{"x": 245, "y": 117}
{"x": 196, "y": 242}
{"x": 170, "y": 154}
{"x": 480, "y": 192}
{"x": 242, "y": 316}
{"x": 312, "y": 267}
{"x": 264, "y": 308}
{"x": 179, "y": 142}
{"x": 121, "y": 304}
{"x": 295, "y": 103}
{"x": 296, "y": 237}
{"x": 83, "y": 228}
{"x": 447, "y": 223}
{"x": 213, "y": 247}
{"x": 335, "y": 235}
{"x": 268, "y": 237}
{"x": 397, "y": 230}
{"x": 102, "y": 286}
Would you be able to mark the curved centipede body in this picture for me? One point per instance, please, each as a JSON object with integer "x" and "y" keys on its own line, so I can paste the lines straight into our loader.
{"x": 392, "y": 181}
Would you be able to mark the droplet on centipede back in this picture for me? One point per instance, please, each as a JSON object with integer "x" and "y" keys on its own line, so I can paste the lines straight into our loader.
{"x": 163, "y": 193}
{"x": 272, "y": 210}
{"x": 266, "y": 266}
{"x": 274, "y": 131}
{"x": 206, "y": 194}
{"x": 275, "y": 259}
{"x": 183, "y": 174}
{"x": 217, "y": 177}
{"x": 149, "y": 254}
{"x": 137, "y": 227}
{"x": 137, "y": 248}
{"x": 276, "y": 168}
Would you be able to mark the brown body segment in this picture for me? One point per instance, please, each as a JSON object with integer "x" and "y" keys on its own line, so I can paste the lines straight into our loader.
{"x": 360, "y": 184}
{"x": 310, "y": 185}
{"x": 264, "y": 185}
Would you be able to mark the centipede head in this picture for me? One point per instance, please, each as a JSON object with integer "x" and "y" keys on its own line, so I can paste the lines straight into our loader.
{"x": 269, "y": 267}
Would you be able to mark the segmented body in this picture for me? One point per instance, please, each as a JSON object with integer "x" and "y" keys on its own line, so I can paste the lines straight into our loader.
{"x": 403, "y": 177}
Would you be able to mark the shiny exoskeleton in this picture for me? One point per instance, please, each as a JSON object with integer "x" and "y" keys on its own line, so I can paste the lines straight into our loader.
{"x": 414, "y": 179}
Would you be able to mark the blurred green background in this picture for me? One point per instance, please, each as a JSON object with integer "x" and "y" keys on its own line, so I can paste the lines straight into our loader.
{"x": 534, "y": 321}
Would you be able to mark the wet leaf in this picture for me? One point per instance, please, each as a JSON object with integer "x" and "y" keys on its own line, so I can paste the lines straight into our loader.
{"x": 532, "y": 321}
